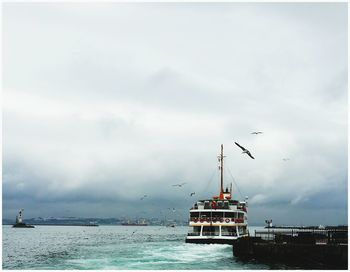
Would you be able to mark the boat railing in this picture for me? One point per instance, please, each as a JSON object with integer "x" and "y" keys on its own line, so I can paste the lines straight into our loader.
{"x": 204, "y": 219}
{"x": 193, "y": 234}
{"x": 210, "y": 233}
{"x": 228, "y": 234}
{"x": 219, "y": 207}
{"x": 309, "y": 236}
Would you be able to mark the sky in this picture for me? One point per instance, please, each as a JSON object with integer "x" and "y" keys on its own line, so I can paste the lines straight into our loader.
{"x": 106, "y": 102}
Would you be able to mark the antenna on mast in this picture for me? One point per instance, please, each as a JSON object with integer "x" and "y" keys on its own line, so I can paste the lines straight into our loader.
{"x": 222, "y": 172}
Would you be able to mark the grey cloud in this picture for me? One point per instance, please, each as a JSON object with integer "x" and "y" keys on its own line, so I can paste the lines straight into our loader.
{"x": 118, "y": 100}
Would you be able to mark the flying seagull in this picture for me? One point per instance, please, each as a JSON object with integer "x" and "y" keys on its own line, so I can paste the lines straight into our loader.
{"x": 143, "y": 197}
{"x": 191, "y": 194}
{"x": 286, "y": 159}
{"x": 245, "y": 150}
{"x": 257, "y": 132}
{"x": 180, "y": 185}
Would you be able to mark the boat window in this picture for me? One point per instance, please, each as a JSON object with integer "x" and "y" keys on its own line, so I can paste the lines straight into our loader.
{"x": 194, "y": 214}
{"x": 217, "y": 214}
{"x": 205, "y": 214}
{"x": 230, "y": 214}
{"x": 241, "y": 230}
{"x": 210, "y": 231}
{"x": 226, "y": 205}
{"x": 240, "y": 215}
{"x": 208, "y": 228}
{"x": 197, "y": 229}
{"x": 207, "y": 205}
{"x": 228, "y": 231}
{"x": 220, "y": 204}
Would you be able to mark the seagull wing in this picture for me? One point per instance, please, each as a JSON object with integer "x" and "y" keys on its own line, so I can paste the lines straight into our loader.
{"x": 183, "y": 183}
{"x": 240, "y": 146}
{"x": 250, "y": 155}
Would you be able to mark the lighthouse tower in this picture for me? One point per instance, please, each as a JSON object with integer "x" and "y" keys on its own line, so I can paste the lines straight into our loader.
{"x": 19, "y": 219}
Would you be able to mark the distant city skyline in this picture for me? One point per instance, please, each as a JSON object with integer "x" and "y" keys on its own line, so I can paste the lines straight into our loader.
{"x": 104, "y": 103}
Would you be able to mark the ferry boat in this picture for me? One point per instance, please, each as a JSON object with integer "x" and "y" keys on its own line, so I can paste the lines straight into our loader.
{"x": 219, "y": 220}
{"x": 91, "y": 224}
{"x": 137, "y": 223}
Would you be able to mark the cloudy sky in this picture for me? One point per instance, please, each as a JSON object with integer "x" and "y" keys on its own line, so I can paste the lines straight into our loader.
{"x": 103, "y": 103}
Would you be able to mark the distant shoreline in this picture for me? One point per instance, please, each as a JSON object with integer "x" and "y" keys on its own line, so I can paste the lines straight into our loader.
{"x": 83, "y": 225}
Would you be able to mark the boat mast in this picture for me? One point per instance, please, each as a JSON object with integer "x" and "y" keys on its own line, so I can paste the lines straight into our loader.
{"x": 222, "y": 172}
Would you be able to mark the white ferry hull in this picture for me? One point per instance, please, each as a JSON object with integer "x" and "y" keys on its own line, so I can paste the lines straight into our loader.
{"x": 212, "y": 239}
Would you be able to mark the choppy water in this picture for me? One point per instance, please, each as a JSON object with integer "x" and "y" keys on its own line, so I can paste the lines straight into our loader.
{"x": 112, "y": 247}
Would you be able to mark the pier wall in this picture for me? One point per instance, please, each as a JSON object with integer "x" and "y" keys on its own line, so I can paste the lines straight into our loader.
{"x": 307, "y": 250}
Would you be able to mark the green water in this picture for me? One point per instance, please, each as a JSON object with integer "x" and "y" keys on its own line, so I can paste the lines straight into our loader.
{"x": 113, "y": 247}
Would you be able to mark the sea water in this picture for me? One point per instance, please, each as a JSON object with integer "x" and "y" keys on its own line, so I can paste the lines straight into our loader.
{"x": 113, "y": 247}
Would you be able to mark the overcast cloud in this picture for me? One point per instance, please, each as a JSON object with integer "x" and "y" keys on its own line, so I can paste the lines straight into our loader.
{"x": 103, "y": 103}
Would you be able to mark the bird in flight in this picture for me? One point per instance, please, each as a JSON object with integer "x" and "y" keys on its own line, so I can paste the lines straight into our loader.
{"x": 180, "y": 185}
{"x": 257, "y": 132}
{"x": 143, "y": 197}
{"x": 286, "y": 159}
{"x": 245, "y": 150}
{"x": 191, "y": 194}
